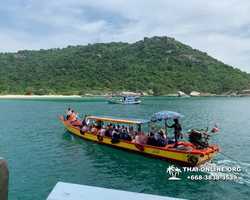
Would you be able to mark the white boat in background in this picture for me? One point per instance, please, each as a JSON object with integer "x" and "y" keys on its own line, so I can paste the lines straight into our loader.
{"x": 128, "y": 99}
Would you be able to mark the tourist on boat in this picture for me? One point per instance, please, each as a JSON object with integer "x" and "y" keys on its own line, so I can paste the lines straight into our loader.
{"x": 126, "y": 130}
{"x": 141, "y": 138}
{"x": 128, "y": 137}
{"x": 164, "y": 133}
{"x": 136, "y": 137}
{"x": 122, "y": 128}
{"x": 154, "y": 130}
{"x": 132, "y": 132}
{"x": 78, "y": 118}
{"x": 123, "y": 135}
{"x": 107, "y": 132}
{"x": 113, "y": 130}
{"x": 93, "y": 127}
{"x": 72, "y": 118}
{"x": 114, "y": 127}
{"x": 103, "y": 130}
{"x": 119, "y": 128}
{"x": 88, "y": 126}
{"x": 84, "y": 126}
{"x": 97, "y": 131}
{"x": 86, "y": 120}
{"x": 161, "y": 141}
{"x": 69, "y": 112}
{"x": 116, "y": 134}
{"x": 99, "y": 124}
{"x": 177, "y": 131}
{"x": 151, "y": 140}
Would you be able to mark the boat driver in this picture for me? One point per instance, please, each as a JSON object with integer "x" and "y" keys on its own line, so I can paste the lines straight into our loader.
{"x": 177, "y": 131}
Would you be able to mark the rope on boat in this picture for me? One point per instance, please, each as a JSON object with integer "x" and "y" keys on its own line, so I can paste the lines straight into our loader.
{"x": 225, "y": 154}
{"x": 228, "y": 155}
{"x": 231, "y": 158}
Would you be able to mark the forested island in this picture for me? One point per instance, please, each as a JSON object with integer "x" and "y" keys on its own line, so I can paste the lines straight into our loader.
{"x": 157, "y": 65}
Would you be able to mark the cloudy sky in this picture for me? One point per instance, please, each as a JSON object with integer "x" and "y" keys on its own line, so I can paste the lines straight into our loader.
{"x": 220, "y": 28}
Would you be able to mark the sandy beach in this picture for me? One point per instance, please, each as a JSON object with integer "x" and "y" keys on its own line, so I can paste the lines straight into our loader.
{"x": 37, "y": 96}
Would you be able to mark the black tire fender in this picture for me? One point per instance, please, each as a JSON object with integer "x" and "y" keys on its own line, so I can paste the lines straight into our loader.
{"x": 193, "y": 159}
{"x": 81, "y": 132}
{"x": 139, "y": 147}
{"x": 100, "y": 138}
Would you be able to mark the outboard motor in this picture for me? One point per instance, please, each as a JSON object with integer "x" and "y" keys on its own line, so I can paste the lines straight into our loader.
{"x": 195, "y": 137}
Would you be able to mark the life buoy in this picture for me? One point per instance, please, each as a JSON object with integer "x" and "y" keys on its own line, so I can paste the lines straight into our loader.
{"x": 193, "y": 159}
{"x": 100, "y": 138}
{"x": 139, "y": 147}
{"x": 81, "y": 132}
{"x": 115, "y": 140}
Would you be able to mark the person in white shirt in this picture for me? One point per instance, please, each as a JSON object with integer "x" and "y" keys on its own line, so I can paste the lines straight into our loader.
{"x": 78, "y": 117}
{"x": 86, "y": 120}
{"x": 103, "y": 130}
{"x": 113, "y": 131}
{"x": 84, "y": 127}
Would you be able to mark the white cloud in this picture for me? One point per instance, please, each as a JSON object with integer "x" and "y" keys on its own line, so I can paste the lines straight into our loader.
{"x": 219, "y": 28}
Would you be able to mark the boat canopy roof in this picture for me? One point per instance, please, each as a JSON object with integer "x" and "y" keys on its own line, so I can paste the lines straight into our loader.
{"x": 120, "y": 120}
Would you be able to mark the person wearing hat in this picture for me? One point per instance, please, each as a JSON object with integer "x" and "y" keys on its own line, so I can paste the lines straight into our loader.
{"x": 177, "y": 131}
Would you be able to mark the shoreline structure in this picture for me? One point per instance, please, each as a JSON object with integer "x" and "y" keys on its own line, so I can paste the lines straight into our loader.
{"x": 245, "y": 93}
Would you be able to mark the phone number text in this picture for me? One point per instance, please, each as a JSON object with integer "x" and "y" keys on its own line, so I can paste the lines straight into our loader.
{"x": 212, "y": 177}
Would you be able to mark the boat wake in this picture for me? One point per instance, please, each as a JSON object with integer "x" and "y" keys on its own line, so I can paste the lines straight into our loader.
{"x": 243, "y": 177}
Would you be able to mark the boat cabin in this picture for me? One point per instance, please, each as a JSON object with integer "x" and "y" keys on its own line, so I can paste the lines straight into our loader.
{"x": 131, "y": 98}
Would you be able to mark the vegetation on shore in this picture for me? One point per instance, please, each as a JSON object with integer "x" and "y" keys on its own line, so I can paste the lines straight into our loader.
{"x": 160, "y": 64}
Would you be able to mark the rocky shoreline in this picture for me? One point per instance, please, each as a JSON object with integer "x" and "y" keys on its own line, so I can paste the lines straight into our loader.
{"x": 180, "y": 94}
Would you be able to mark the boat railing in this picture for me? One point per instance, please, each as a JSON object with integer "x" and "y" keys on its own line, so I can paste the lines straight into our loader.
{"x": 4, "y": 179}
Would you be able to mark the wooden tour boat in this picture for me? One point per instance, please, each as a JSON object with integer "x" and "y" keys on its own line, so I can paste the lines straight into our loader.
{"x": 187, "y": 154}
{"x": 129, "y": 99}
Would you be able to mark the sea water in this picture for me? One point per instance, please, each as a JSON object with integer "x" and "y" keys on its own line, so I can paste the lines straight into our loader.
{"x": 40, "y": 152}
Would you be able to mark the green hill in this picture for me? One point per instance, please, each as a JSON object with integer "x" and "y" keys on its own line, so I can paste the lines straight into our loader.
{"x": 159, "y": 63}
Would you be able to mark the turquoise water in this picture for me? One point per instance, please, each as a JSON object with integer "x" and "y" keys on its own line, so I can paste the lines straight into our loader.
{"x": 40, "y": 152}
